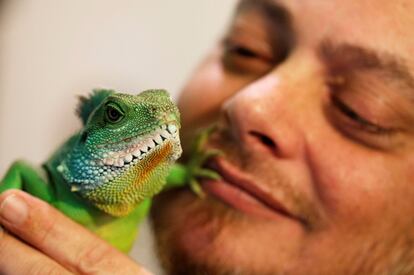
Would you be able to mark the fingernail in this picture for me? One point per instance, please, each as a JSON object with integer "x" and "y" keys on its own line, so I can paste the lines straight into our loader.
{"x": 14, "y": 210}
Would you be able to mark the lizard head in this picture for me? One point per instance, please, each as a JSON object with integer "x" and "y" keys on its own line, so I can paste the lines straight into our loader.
{"x": 123, "y": 154}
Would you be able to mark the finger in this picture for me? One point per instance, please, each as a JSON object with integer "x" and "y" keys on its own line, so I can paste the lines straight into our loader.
{"x": 60, "y": 238}
{"x": 18, "y": 258}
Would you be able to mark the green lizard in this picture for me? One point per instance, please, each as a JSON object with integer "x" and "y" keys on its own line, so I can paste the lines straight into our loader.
{"x": 104, "y": 176}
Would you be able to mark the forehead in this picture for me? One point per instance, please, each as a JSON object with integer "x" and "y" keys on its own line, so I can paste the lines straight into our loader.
{"x": 384, "y": 25}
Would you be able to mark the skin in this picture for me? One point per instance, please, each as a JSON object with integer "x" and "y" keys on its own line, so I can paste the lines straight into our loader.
{"x": 324, "y": 129}
{"x": 315, "y": 113}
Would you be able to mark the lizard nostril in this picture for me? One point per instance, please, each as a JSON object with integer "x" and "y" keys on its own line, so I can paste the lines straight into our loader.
{"x": 84, "y": 137}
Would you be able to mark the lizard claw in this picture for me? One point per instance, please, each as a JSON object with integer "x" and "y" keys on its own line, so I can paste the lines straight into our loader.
{"x": 196, "y": 188}
{"x": 198, "y": 157}
{"x": 207, "y": 173}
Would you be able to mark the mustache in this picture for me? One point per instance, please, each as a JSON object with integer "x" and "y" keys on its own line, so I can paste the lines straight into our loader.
{"x": 265, "y": 170}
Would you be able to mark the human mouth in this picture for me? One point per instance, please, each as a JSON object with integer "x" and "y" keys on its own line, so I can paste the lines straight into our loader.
{"x": 242, "y": 193}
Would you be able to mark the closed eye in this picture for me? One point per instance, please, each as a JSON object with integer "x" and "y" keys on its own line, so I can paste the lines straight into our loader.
{"x": 360, "y": 121}
{"x": 242, "y": 51}
{"x": 242, "y": 58}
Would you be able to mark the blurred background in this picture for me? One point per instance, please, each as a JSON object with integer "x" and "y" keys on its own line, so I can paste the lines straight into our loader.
{"x": 52, "y": 51}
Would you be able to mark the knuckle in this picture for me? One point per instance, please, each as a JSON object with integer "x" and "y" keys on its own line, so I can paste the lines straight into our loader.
{"x": 95, "y": 258}
{"x": 45, "y": 228}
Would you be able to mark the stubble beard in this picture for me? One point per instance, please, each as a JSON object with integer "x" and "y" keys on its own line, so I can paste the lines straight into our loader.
{"x": 208, "y": 215}
{"x": 178, "y": 215}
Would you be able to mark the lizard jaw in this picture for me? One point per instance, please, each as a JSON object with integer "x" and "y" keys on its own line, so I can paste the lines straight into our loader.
{"x": 143, "y": 147}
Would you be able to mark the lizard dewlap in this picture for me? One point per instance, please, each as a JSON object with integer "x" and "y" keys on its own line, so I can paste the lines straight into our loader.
{"x": 125, "y": 150}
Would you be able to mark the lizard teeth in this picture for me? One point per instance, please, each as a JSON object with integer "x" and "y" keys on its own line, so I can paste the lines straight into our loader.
{"x": 165, "y": 134}
{"x": 158, "y": 139}
{"x": 136, "y": 153}
{"x": 128, "y": 158}
{"x": 151, "y": 144}
{"x": 141, "y": 147}
{"x": 119, "y": 163}
{"x": 109, "y": 161}
{"x": 172, "y": 128}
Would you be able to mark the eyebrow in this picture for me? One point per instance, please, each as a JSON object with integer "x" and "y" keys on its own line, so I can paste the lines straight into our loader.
{"x": 345, "y": 56}
{"x": 270, "y": 8}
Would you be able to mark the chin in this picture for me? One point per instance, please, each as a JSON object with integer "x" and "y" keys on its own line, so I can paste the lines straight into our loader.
{"x": 205, "y": 236}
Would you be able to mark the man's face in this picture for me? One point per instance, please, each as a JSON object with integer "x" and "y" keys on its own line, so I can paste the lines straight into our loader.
{"x": 314, "y": 102}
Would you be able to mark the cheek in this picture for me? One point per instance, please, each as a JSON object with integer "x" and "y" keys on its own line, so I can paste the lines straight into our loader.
{"x": 205, "y": 92}
{"x": 359, "y": 188}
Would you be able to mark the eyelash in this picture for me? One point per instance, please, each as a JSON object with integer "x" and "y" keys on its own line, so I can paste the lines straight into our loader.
{"x": 242, "y": 59}
{"x": 242, "y": 51}
{"x": 335, "y": 85}
{"x": 357, "y": 128}
{"x": 363, "y": 124}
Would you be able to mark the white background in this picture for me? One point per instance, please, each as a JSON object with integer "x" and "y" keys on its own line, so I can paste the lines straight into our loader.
{"x": 51, "y": 51}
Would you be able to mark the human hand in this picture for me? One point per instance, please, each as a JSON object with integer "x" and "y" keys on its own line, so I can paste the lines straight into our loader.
{"x": 41, "y": 240}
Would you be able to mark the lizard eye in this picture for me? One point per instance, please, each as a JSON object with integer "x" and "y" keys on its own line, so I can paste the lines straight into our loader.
{"x": 113, "y": 114}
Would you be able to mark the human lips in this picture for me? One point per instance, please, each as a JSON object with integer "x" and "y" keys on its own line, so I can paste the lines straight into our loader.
{"x": 238, "y": 190}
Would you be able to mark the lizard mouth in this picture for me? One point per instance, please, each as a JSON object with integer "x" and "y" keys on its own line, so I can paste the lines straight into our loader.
{"x": 139, "y": 149}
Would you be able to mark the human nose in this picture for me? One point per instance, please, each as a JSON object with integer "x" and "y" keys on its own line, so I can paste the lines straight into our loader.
{"x": 274, "y": 112}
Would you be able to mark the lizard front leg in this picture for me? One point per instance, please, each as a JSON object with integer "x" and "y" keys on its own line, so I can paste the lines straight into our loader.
{"x": 24, "y": 176}
{"x": 183, "y": 174}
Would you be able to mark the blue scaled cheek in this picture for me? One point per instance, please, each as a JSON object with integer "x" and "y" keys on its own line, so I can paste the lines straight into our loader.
{"x": 84, "y": 170}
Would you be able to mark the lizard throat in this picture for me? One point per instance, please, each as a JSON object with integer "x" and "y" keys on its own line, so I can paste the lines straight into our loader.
{"x": 122, "y": 195}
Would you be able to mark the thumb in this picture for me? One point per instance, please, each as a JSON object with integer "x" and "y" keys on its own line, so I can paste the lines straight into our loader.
{"x": 61, "y": 239}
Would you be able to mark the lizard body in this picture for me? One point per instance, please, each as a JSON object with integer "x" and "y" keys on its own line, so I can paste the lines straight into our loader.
{"x": 104, "y": 176}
